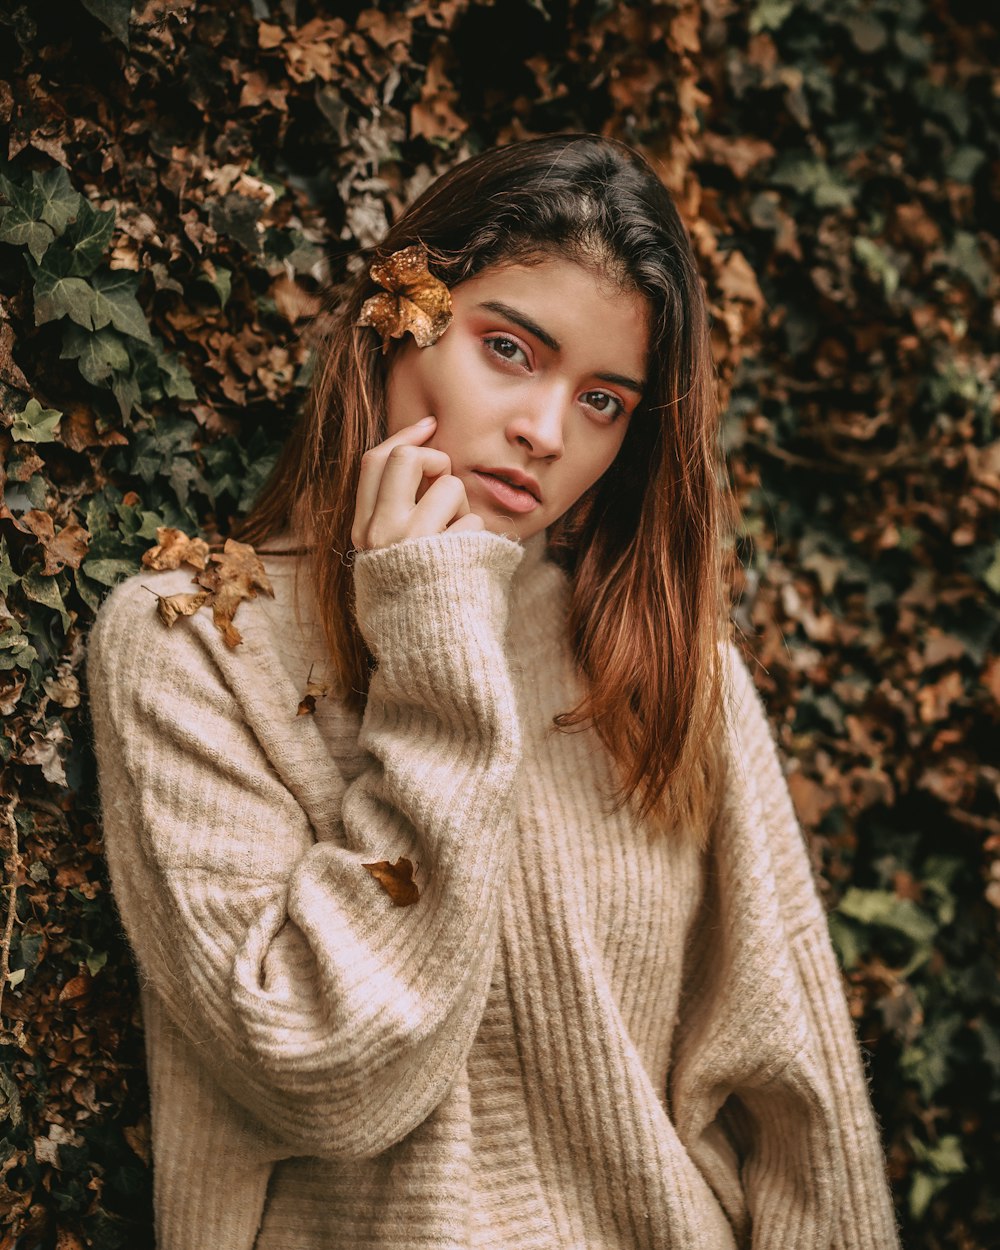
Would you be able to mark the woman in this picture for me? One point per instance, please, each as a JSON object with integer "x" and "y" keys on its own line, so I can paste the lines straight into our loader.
{"x": 513, "y": 941}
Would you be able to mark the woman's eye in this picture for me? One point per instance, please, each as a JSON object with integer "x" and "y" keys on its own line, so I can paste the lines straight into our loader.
{"x": 504, "y": 347}
{"x": 607, "y": 408}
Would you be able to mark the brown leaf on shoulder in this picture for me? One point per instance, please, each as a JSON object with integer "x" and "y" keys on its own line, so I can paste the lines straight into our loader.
{"x": 414, "y": 299}
{"x": 233, "y": 576}
{"x": 396, "y": 879}
{"x": 170, "y": 607}
{"x": 174, "y": 548}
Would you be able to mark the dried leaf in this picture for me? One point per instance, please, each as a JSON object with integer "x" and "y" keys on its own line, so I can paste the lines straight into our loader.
{"x": 68, "y": 547}
{"x": 63, "y": 688}
{"x": 10, "y": 692}
{"x": 314, "y": 690}
{"x": 174, "y": 548}
{"x": 170, "y": 607}
{"x": 44, "y": 752}
{"x": 76, "y": 990}
{"x": 414, "y": 299}
{"x": 233, "y": 576}
{"x": 138, "y": 1137}
{"x": 396, "y": 879}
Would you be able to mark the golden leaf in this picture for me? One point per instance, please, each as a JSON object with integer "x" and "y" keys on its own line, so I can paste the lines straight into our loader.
{"x": 68, "y": 547}
{"x": 170, "y": 607}
{"x": 233, "y": 576}
{"x": 414, "y": 299}
{"x": 173, "y": 549}
{"x": 396, "y": 879}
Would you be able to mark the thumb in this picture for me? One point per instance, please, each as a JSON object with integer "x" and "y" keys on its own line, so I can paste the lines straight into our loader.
{"x": 468, "y": 523}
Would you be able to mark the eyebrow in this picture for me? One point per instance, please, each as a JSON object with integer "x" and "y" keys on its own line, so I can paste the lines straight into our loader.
{"x": 543, "y": 336}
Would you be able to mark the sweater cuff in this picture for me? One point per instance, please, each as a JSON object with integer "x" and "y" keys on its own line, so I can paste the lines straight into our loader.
{"x": 866, "y": 1219}
{"x": 422, "y": 592}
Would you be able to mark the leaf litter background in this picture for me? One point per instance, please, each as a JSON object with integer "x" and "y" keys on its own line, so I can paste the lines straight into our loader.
{"x": 180, "y": 180}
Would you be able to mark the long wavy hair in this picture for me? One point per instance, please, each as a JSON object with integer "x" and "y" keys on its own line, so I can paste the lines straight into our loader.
{"x": 647, "y": 549}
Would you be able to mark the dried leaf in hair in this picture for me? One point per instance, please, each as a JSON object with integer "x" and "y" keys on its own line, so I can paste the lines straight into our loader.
{"x": 414, "y": 299}
{"x": 396, "y": 879}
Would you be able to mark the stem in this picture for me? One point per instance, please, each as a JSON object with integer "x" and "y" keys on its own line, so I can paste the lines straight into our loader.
{"x": 10, "y": 885}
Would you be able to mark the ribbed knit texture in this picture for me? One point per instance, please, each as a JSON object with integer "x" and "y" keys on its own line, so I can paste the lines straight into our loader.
{"x": 578, "y": 1038}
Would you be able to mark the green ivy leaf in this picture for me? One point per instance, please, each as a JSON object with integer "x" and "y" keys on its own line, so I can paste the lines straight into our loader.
{"x": 125, "y": 389}
{"x": 770, "y": 14}
{"x": 10, "y": 1099}
{"x": 85, "y": 588}
{"x": 809, "y": 175}
{"x": 964, "y": 163}
{"x": 46, "y": 590}
{"x": 966, "y": 256}
{"x": 882, "y": 907}
{"x": 58, "y": 292}
{"x": 15, "y": 649}
{"x": 876, "y": 260}
{"x": 59, "y": 204}
{"x": 922, "y": 1190}
{"x": 114, "y": 14}
{"x": 88, "y": 237}
{"x": 221, "y": 284}
{"x": 8, "y": 577}
{"x": 991, "y": 575}
{"x": 20, "y": 222}
{"x": 36, "y": 424}
{"x": 109, "y": 572}
{"x": 178, "y": 383}
{"x": 99, "y": 353}
{"x": 115, "y": 292}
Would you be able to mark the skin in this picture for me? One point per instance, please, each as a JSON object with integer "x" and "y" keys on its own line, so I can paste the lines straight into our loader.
{"x": 503, "y": 397}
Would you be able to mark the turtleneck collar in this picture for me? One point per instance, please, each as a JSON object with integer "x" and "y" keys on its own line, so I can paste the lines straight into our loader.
{"x": 535, "y": 552}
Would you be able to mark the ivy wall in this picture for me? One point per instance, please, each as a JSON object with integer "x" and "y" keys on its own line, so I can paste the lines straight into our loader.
{"x": 179, "y": 182}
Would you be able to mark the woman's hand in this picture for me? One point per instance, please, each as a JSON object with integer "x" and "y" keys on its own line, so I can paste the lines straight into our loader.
{"x": 392, "y": 473}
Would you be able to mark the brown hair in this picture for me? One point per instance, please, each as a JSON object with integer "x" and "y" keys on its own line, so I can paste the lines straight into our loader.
{"x": 647, "y": 548}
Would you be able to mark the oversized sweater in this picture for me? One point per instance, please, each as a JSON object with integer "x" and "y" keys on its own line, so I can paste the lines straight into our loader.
{"x": 578, "y": 1037}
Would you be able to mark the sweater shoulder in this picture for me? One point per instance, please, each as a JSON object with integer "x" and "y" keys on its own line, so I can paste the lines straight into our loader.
{"x": 129, "y": 635}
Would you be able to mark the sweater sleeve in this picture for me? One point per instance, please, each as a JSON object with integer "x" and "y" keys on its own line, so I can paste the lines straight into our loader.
{"x": 776, "y": 1103}
{"x": 334, "y": 1017}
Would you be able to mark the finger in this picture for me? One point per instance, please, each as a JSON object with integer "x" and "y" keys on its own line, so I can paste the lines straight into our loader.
{"x": 470, "y": 522}
{"x": 406, "y": 466}
{"x": 373, "y": 464}
{"x": 444, "y": 501}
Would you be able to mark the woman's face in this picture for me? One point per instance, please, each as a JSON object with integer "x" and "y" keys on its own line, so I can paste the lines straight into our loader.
{"x": 540, "y": 371}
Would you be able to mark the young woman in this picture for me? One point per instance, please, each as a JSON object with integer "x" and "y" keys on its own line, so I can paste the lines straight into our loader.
{"x": 512, "y": 941}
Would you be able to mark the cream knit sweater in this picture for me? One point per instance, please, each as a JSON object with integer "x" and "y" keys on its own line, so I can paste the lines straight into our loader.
{"x": 576, "y": 1039}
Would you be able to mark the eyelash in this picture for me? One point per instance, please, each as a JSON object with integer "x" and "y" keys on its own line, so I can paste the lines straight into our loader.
{"x": 505, "y": 338}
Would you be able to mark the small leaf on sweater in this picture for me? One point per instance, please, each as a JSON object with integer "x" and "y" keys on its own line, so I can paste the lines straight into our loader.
{"x": 396, "y": 879}
{"x": 170, "y": 607}
{"x": 314, "y": 690}
{"x": 174, "y": 548}
{"x": 414, "y": 299}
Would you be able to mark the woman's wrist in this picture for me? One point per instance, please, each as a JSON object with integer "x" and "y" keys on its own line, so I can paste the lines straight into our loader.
{"x": 434, "y": 590}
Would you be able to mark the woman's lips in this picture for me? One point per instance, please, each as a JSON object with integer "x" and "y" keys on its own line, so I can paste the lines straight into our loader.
{"x": 510, "y": 496}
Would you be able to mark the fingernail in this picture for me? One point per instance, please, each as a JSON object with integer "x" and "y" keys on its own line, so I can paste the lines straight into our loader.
{"x": 425, "y": 420}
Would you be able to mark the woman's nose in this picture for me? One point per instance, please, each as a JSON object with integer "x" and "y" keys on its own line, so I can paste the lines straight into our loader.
{"x": 539, "y": 423}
